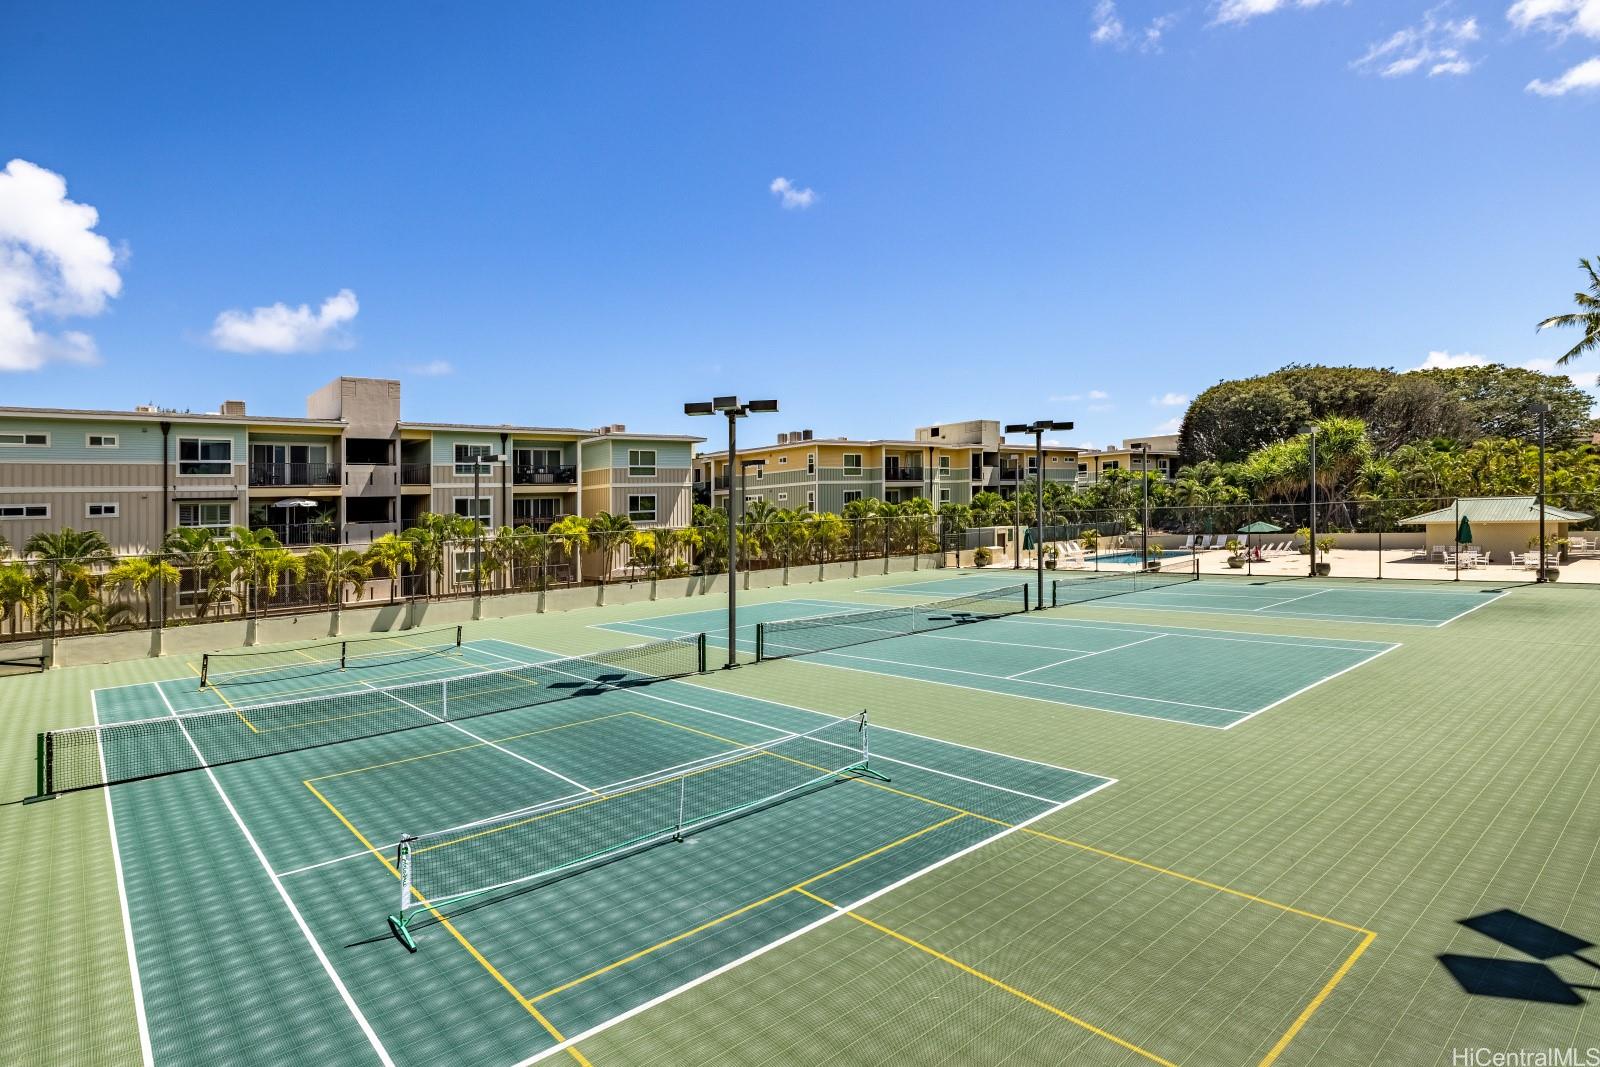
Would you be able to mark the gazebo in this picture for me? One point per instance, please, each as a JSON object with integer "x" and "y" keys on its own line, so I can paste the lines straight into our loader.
{"x": 1501, "y": 525}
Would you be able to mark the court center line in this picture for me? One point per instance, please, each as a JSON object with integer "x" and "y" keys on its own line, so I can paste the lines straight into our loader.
{"x": 481, "y": 740}
{"x": 997, "y": 983}
{"x": 1280, "y": 602}
{"x": 1307, "y": 688}
{"x": 505, "y": 982}
{"x": 1074, "y": 659}
{"x": 283, "y": 894}
{"x": 1248, "y": 637}
{"x": 224, "y": 698}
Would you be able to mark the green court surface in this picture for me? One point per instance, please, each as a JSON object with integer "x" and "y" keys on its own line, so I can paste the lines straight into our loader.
{"x": 574, "y": 952}
{"x": 1199, "y": 677}
{"x": 1397, "y": 863}
{"x": 1395, "y": 603}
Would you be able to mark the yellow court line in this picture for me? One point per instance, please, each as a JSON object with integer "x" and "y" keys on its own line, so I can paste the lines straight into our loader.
{"x": 1316, "y": 1001}
{"x": 505, "y": 982}
{"x": 997, "y": 983}
{"x": 478, "y": 744}
{"x": 797, "y": 887}
{"x": 226, "y": 701}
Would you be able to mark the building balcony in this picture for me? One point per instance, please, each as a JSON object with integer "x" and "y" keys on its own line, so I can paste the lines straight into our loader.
{"x": 271, "y": 474}
{"x": 1013, "y": 474}
{"x": 562, "y": 475}
{"x": 892, "y": 473}
{"x": 298, "y": 534}
{"x": 542, "y": 523}
{"x": 416, "y": 473}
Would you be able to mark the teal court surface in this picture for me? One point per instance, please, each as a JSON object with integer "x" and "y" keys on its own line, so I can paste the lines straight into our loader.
{"x": 566, "y": 809}
{"x": 1199, "y": 677}
{"x": 1401, "y": 602}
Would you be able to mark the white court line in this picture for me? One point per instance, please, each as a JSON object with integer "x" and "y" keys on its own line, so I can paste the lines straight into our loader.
{"x": 1280, "y": 602}
{"x": 1475, "y": 607}
{"x": 1208, "y": 634}
{"x": 481, "y": 740}
{"x": 887, "y": 759}
{"x": 1074, "y": 659}
{"x": 1313, "y": 685}
{"x": 786, "y": 938}
{"x": 283, "y": 894}
{"x": 1393, "y": 620}
{"x": 944, "y": 635}
{"x": 146, "y": 1052}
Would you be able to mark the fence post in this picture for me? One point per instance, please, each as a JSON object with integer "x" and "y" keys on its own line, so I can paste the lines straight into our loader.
{"x": 888, "y": 526}
{"x": 55, "y": 617}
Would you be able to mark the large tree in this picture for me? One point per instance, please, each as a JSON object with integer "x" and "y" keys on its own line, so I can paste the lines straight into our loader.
{"x": 1587, "y": 318}
{"x": 1501, "y": 400}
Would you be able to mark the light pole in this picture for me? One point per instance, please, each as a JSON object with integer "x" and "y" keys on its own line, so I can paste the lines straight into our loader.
{"x": 1143, "y": 448}
{"x": 734, "y": 410}
{"x": 477, "y": 517}
{"x": 1038, "y": 429}
{"x": 1541, "y": 410}
{"x": 1311, "y": 433}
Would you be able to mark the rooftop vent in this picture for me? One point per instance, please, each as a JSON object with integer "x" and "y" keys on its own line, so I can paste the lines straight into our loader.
{"x": 783, "y": 438}
{"x": 233, "y": 407}
{"x": 147, "y": 409}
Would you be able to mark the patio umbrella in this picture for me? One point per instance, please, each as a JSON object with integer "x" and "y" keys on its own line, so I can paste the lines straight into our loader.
{"x": 1464, "y": 532}
{"x": 1257, "y": 527}
{"x": 297, "y": 502}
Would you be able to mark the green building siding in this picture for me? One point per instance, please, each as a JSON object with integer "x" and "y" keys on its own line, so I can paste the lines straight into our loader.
{"x": 137, "y": 442}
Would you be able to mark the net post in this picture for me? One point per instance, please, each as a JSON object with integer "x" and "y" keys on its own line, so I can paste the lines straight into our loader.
{"x": 1055, "y": 592}
{"x": 43, "y": 782}
{"x": 205, "y": 669}
{"x": 459, "y": 628}
{"x": 444, "y": 698}
{"x": 683, "y": 789}
{"x": 700, "y": 650}
{"x": 400, "y": 921}
{"x": 344, "y": 654}
{"x": 1024, "y": 598}
{"x": 866, "y": 752}
{"x": 761, "y": 641}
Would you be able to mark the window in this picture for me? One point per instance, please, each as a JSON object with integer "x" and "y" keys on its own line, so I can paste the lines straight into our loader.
{"x": 944, "y": 466}
{"x": 761, "y": 472}
{"x": 102, "y": 440}
{"x": 1033, "y": 464}
{"x": 934, "y": 432}
{"x": 783, "y": 459}
{"x": 642, "y": 462}
{"x": 1109, "y": 465}
{"x": 811, "y": 500}
{"x": 1083, "y": 468}
{"x": 470, "y": 458}
{"x": 526, "y": 509}
{"x": 783, "y": 496}
{"x": 102, "y": 511}
{"x": 485, "y": 514}
{"x": 205, "y": 455}
{"x": 851, "y": 494}
{"x": 642, "y": 508}
{"x": 14, "y": 439}
{"x": 24, "y": 511}
{"x": 811, "y": 463}
{"x": 852, "y": 464}
{"x": 944, "y": 496}
{"x": 216, "y": 516}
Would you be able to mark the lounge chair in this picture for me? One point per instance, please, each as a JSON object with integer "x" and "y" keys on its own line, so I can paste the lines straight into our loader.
{"x": 1189, "y": 542}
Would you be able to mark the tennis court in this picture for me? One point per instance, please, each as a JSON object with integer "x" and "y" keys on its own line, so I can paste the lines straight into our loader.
{"x": 1408, "y": 603}
{"x": 589, "y": 837}
{"x": 1200, "y": 677}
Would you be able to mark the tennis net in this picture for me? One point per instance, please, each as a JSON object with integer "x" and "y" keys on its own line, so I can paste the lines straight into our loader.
{"x": 250, "y": 666}
{"x": 536, "y": 844}
{"x": 819, "y": 633}
{"x": 1064, "y": 591}
{"x": 88, "y": 756}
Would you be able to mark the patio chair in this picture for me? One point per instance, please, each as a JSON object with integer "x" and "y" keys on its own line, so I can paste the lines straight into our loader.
{"x": 1188, "y": 542}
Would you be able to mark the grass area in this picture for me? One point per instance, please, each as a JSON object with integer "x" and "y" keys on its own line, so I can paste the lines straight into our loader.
{"x": 1281, "y": 891}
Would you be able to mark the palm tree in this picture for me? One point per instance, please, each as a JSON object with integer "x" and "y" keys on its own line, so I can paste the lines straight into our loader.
{"x": 571, "y": 532}
{"x": 333, "y": 568}
{"x": 607, "y": 533}
{"x": 523, "y": 549}
{"x": 17, "y": 589}
{"x": 139, "y": 573}
{"x": 262, "y": 562}
{"x": 1588, "y": 320}
{"x": 866, "y": 523}
{"x": 198, "y": 551}
{"x": 5, "y": 547}
{"x": 430, "y": 541}
{"x": 391, "y": 554}
{"x": 826, "y": 534}
{"x": 74, "y": 552}
{"x": 76, "y": 603}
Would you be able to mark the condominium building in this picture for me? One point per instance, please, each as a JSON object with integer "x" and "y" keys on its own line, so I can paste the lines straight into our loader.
{"x": 1161, "y": 457}
{"x": 349, "y": 470}
{"x": 943, "y": 464}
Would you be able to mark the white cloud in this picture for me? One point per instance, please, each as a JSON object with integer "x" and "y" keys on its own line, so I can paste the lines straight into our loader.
{"x": 1560, "y": 17}
{"x": 1244, "y": 10}
{"x": 1584, "y": 77}
{"x": 790, "y": 195}
{"x": 1446, "y": 360}
{"x": 1099, "y": 394}
{"x": 1172, "y": 425}
{"x": 1108, "y": 27}
{"x": 281, "y": 328}
{"x": 51, "y": 263}
{"x": 1434, "y": 43}
{"x": 434, "y": 368}
{"x": 1170, "y": 400}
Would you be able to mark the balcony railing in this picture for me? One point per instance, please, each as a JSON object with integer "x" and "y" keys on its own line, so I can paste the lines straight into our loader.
{"x": 416, "y": 473}
{"x": 562, "y": 475}
{"x": 538, "y": 522}
{"x": 902, "y": 474}
{"x": 295, "y": 534}
{"x": 1012, "y": 474}
{"x": 294, "y": 474}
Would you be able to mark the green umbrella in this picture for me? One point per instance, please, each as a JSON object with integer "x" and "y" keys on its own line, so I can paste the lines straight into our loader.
{"x": 1258, "y": 527}
{"x": 1464, "y": 532}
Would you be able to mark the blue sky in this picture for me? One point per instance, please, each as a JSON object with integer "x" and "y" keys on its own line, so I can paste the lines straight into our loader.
{"x": 568, "y": 214}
